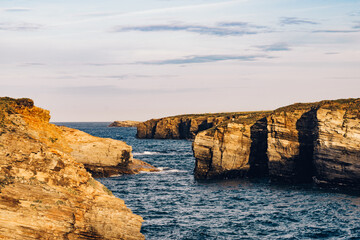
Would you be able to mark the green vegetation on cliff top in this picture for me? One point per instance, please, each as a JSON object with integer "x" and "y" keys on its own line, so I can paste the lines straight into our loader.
{"x": 8, "y": 106}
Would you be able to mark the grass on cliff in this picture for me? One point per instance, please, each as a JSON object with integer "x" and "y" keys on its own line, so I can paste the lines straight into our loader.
{"x": 329, "y": 104}
{"x": 8, "y": 106}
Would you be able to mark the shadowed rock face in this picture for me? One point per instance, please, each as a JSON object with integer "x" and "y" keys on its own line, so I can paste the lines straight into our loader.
{"x": 44, "y": 192}
{"x": 291, "y": 136}
{"x": 298, "y": 143}
{"x": 233, "y": 149}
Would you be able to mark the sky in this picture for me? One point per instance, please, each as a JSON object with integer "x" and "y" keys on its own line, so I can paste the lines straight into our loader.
{"x": 108, "y": 60}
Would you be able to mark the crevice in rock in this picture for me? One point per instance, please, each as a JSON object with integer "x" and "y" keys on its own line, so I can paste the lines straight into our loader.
{"x": 307, "y": 127}
{"x": 184, "y": 129}
{"x": 258, "y": 158}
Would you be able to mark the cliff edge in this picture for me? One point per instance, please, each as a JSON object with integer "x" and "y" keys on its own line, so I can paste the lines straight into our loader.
{"x": 45, "y": 192}
{"x": 307, "y": 142}
{"x": 183, "y": 126}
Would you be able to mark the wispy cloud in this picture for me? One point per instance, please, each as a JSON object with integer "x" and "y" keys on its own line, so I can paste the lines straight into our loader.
{"x": 16, "y": 9}
{"x": 205, "y": 59}
{"x": 276, "y": 47}
{"x": 5, "y": 26}
{"x": 354, "y": 14}
{"x": 357, "y": 26}
{"x": 295, "y": 21}
{"x": 221, "y": 29}
{"x": 335, "y": 31}
{"x": 239, "y": 24}
{"x": 115, "y": 90}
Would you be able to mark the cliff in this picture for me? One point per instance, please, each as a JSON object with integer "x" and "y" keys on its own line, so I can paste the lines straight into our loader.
{"x": 231, "y": 149}
{"x": 124, "y": 124}
{"x": 299, "y": 143}
{"x": 45, "y": 193}
{"x": 183, "y": 126}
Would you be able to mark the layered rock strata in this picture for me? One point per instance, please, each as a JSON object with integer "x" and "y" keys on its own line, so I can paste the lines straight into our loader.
{"x": 124, "y": 124}
{"x": 232, "y": 149}
{"x": 183, "y": 126}
{"x": 299, "y": 143}
{"x": 45, "y": 193}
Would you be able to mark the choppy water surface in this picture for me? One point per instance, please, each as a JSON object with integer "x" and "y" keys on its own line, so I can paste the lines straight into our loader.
{"x": 175, "y": 206}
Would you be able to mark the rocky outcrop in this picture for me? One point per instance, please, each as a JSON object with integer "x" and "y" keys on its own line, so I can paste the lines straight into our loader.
{"x": 45, "y": 193}
{"x": 124, "y": 124}
{"x": 233, "y": 149}
{"x": 299, "y": 143}
{"x": 183, "y": 126}
{"x": 103, "y": 157}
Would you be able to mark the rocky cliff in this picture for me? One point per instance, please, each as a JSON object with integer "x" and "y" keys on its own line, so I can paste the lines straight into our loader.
{"x": 124, "y": 124}
{"x": 45, "y": 192}
{"x": 232, "y": 149}
{"x": 183, "y": 126}
{"x": 299, "y": 143}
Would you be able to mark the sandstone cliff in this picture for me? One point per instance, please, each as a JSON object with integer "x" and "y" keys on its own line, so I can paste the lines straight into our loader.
{"x": 45, "y": 193}
{"x": 124, "y": 124}
{"x": 299, "y": 143}
{"x": 183, "y": 126}
{"x": 232, "y": 149}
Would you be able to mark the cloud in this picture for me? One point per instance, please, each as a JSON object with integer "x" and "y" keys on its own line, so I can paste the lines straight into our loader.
{"x": 20, "y": 26}
{"x": 295, "y": 21}
{"x": 357, "y": 26}
{"x": 355, "y": 14}
{"x": 335, "y": 31}
{"x": 205, "y": 59}
{"x": 222, "y": 29}
{"x": 276, "y": 47}
{"x": 239, "y": 24}
{"x": 16, "y": 9}
{"x": 114, "y": 90}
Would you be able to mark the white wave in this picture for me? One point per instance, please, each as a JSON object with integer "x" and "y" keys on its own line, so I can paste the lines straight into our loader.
{"x": 146, "y": 153}
{"x": 164, "y": 170}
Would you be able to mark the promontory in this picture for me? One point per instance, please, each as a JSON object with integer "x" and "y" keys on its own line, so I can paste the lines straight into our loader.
{"x": 46, "y": 191}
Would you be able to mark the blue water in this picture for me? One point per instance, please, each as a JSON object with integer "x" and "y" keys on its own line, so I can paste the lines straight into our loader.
{"x": 175, "y": 206}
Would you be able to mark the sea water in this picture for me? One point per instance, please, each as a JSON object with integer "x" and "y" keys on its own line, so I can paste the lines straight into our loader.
{"x": 176, "y": 206}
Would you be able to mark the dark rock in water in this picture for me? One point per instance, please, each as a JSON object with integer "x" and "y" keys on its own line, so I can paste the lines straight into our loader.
{"x": 298, "y": 143}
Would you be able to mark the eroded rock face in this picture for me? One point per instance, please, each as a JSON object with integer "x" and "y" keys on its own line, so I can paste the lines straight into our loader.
{"x": 337, "y": 149}
{"x": 124, "y": 124}
{"x": 182, "y": 126}
{"x": 45, "y": 192}
{"x": 102, "y": 157}
{"x": 291, "y": 137}
{"x": 298, "y": 143}
{"x": 233, "y": 149}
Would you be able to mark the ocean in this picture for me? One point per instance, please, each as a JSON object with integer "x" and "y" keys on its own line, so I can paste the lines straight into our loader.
{"x": 176, "y": 206}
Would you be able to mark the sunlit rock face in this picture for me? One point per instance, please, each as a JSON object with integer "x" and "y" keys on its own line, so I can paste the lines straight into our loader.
{"x": 337, "y": 149}
{"x": 298, "y": 143}
{"x": 124, "y": 124}
{"x": 45, "y": 192}
{"x": 232, "y": 149}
